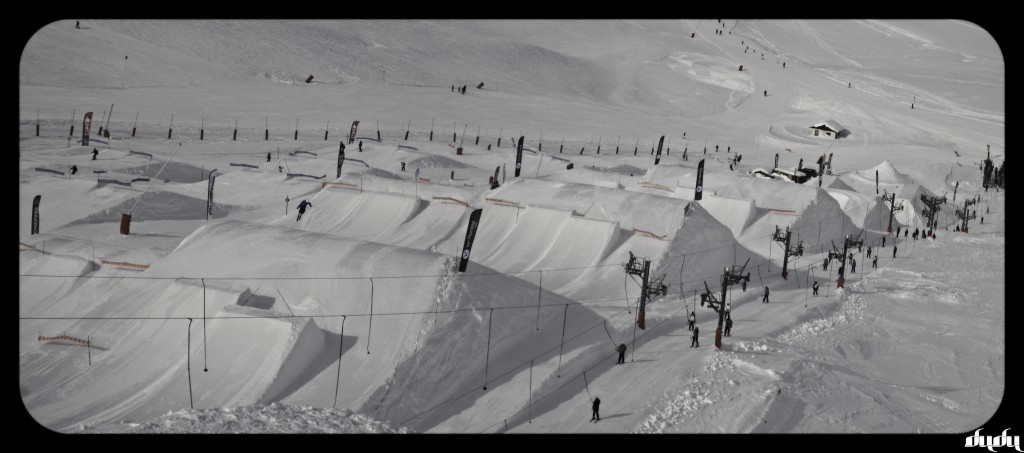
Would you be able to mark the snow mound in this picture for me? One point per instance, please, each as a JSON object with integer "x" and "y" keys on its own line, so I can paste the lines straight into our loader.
{"x": 434, "y": 161}
{"x": 262, "y": 419}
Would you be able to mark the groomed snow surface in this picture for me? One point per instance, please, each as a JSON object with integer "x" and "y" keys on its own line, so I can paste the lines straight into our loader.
{"x": 355, "y": 319}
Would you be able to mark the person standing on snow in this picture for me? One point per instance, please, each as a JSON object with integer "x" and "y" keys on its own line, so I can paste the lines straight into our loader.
{"x": 728, "y": 326}
{"x": 692, "y": 318}
{"x": 694, "y": 343}
{"x": 869, "y": 251}
{"x": 268, "y": 156}
{"x": 815, "y": 287}
{"x": 74, "y": 169}
{"x": 853, "y": 265}
{"x": 764, "y": 299}
{"x": 622, "y": 353}
{"x": 95, "y": 153}
{"x": 824, "y": 264}
{"x": 894, "y": 251}
{"x": 597, "y": 405}
{"x": 874, "y": 262}
{"x": 302, "y": 209}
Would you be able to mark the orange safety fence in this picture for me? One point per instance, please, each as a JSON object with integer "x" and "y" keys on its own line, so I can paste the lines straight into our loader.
{"x": 452, "y": 200}
{"x": 125, "y": 264}
{"x": 342, "y": 184}
{"x": 65, "y": 337}
{"x": 654, "y": 185}
{"x": 503, "y": 202}
{"x": 29, "y": 246}
{"x": 647, "y": 233}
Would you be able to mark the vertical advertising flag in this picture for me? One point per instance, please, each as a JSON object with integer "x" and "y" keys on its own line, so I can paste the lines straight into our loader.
{"x": 700, "y": 181}
{"x": 876, "y": 182}
{"x": 352, "y": 133}
{"x": 519, "y": 156}
{"x": 209, "y": 195}
{"x": 474, "y": 222}
{"x": 776, "y": 160}
{"x": 658, "y": 157}
{"x": 341, "y": 158}
{"x": 86, "y": 124}
{"x": 35, "y": 214}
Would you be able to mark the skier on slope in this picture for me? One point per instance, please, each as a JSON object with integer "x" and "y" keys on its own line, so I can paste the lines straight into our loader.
{"x": 302, "y": 209}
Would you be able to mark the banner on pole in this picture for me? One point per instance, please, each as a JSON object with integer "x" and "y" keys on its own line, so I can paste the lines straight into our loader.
{"x": 209, "y": 196}
{"x": 35, "y": 214}
{"x": 341, "y": 158}
{"x": 86, "y": 125}
{"x": 474, "y": 222}
{"x": 519, "y": 156}
{"x": 700, "y": 181}
{"x": 658, "y": 157}
{"x": 352, "y": 133}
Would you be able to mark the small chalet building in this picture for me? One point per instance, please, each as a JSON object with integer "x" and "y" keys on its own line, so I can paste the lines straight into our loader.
{"x": 830, "y": 129}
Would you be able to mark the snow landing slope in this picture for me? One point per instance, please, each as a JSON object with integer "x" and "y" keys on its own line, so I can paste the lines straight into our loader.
{"x": 270, "y": 331}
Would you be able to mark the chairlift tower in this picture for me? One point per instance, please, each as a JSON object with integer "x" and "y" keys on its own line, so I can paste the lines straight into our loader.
{"x": 893, "y": 207}
{"x": 788, "y": 251}
{"x": 731, "y": 276}
{"x": 965, "y": 214}
{"x": 649, "y": 289}
{"x": 934, "y": 204}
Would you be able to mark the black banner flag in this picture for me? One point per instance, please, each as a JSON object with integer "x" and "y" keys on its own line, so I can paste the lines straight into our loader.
{"x": 519, "y": 156}
{"x": 876, "y": 182}
{"x": 35, "y": 214}
{"x": 776, "y": 160}
{"x": 86, "y": 124}
{"x": 496, "y": 172}
{"x": 700, "y": 181}
{"x": 341, "y": 158}
{"x": 352, "y": 133}
{"x": 658, "y": 157}
{"x": 474, "y": 222}
{"x": 209, "y": 196}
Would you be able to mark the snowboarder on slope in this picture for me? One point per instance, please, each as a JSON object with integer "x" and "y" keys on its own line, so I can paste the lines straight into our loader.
{"x": 302, "y": 209}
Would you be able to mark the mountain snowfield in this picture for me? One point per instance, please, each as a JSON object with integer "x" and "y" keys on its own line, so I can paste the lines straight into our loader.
{"x": 355, "y": 319}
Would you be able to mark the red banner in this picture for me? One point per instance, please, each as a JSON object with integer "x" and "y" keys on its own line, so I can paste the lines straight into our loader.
{"x": 86, "y": 124}
{"x": 352, "y": 133}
